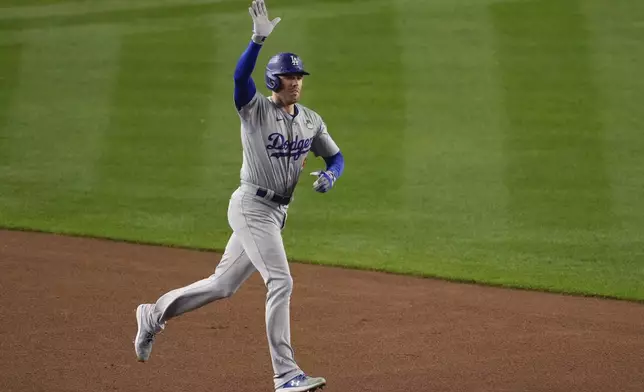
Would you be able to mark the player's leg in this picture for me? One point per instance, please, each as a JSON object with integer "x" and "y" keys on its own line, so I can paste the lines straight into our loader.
{"x": 233, "y": 270}
{"x": 258, "y": 227}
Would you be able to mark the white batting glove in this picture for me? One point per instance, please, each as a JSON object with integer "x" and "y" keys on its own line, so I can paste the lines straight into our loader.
{"x": 262, "y": 27}
{"x": 325, "y": 181}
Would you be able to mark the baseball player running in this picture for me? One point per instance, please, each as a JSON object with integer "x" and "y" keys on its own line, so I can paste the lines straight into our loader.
{"x": 276, "y": 135}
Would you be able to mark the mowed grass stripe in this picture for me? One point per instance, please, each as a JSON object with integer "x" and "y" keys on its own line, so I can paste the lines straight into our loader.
{"x": 556, "y": 174}
{"x": 618, "y": 36}
{"x": 565, "y": 233}
{"x": 10, "y": 56}
{"x": 151, "y": 161}
{"x": 57, "y": 116}
{"x": 25, "y": 9}
{"x": 455, "y": 196}
{"x": 137, "y": 13}
{"x": 10, "y": 61}
{"x": 121, "y": 16}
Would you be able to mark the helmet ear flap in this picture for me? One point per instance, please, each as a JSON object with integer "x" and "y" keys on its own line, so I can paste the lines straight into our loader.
{"x": 272, "y": 81}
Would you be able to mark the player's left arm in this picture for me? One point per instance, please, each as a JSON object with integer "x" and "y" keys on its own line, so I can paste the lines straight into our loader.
{"x": 335, "y": 164}
{"x": 244, "y": 85}
{"x": 324, "y": 146}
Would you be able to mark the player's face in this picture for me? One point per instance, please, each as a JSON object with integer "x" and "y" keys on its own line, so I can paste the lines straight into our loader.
{"x": 292, "y": 88}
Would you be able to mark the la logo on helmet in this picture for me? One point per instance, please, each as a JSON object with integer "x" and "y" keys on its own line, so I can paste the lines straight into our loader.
{"x": 295, "y": 60}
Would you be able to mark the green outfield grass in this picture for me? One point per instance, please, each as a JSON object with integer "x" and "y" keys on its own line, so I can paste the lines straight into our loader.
{"x": 489, "y": 141}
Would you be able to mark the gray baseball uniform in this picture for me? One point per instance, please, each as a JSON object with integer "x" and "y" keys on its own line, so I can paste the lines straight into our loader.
{"x": 275, "y": 146}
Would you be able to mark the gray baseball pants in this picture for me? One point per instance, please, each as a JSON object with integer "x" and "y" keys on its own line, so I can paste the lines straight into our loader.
{"x": 255, "y": 245}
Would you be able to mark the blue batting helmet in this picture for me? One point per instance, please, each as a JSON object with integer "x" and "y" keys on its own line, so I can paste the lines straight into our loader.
{"x": 282, "y": 64}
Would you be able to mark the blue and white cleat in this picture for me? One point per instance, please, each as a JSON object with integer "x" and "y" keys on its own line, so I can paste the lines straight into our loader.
{"x": 303, "y": 383}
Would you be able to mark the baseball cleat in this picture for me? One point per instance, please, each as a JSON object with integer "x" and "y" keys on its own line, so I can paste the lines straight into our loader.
{"x": 145, "y": 333}
{"x": 303, "y": 383}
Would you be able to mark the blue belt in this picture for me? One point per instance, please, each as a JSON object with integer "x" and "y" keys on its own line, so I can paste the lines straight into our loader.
{"x": 276, "y": 198}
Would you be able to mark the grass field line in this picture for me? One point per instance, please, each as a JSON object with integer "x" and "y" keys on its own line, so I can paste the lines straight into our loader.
{"x": 415, "y": 274}
{"x": 93, "y": 7}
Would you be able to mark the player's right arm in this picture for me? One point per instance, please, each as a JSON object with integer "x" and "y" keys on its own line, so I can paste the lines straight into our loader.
{"x": 245, "y": 89}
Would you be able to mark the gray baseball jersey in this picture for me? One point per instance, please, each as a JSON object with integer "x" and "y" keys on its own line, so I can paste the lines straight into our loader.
{"x": 276, "y": 144}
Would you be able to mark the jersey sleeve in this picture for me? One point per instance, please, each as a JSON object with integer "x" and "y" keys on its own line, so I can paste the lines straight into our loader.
{"x": 323, "y": 145}
{"x": 253, "y": 114}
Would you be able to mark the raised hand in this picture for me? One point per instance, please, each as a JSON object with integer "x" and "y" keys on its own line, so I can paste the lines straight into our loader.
{"x": 262, "y": 26}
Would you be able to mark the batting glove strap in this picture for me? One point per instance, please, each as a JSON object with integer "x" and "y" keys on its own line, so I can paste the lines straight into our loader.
{"x": 258, "y": 39}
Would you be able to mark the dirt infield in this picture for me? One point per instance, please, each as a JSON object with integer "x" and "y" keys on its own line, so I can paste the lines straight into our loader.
{"x": 68, "y": 323}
